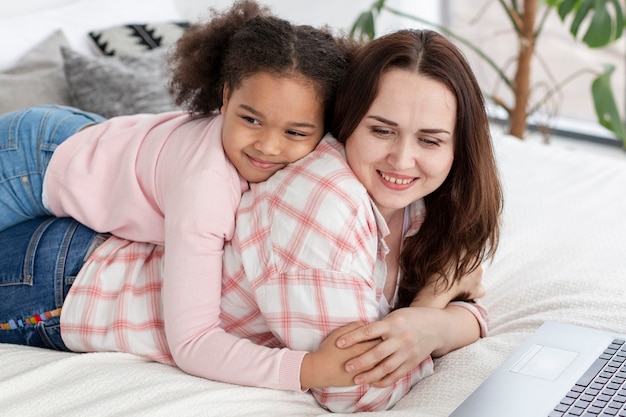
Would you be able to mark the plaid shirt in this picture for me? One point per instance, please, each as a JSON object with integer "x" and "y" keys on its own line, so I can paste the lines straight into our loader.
{"x": 307, "y": 257}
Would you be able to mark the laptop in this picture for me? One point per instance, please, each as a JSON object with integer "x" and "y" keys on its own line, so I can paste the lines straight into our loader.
{"x": 559, "y": 369}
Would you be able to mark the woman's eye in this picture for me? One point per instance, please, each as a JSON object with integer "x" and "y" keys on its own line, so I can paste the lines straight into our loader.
{"x": 429, "y": 142}
{"x": 382, "y": 131}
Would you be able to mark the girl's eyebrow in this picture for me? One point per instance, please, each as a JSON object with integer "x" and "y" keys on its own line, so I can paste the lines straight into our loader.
{"x": 251, "y": 110}
{"x": 259, "y": 114}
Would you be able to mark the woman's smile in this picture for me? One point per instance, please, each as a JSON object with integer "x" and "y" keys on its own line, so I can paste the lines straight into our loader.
{"x": 396, "y": 181}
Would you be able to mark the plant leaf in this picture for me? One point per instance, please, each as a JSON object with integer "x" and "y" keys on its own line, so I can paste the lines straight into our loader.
{"x": 599, "y": 31}
{"x": 605, "y": 19}
{"x": 379, "y": 5}
{"x": 364, "y": 28}
{"x": 564, "y": 7}
{"x": 605, "y": 104}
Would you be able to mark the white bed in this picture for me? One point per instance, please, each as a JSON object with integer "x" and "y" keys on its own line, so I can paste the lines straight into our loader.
{"x": 562, "y": 257}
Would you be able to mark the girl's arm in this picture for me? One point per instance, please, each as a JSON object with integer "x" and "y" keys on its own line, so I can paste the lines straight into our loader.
{"x": 192, "y": 307}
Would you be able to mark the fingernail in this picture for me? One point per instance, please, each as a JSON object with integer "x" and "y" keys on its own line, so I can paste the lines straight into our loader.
{"x": 349, "y": 367}
{"x": 341, "y": 342}
{"x": 358, "y": 381}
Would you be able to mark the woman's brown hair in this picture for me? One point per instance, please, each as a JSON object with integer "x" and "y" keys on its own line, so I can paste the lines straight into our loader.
{"x": 247, "y": 39}
{"x": 461, "y": 227}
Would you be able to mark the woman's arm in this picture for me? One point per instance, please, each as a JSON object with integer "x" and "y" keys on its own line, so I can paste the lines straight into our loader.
{"x": 409, "y": 336}
{"x": 432, "y": 325}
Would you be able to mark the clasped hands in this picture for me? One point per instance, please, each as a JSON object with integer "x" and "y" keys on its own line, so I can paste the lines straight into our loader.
{"x": 381, "y": 352}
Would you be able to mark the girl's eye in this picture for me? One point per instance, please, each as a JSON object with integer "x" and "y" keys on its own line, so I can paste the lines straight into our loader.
{"x": 295, "y": 133}
{"x": 251, "y": 120}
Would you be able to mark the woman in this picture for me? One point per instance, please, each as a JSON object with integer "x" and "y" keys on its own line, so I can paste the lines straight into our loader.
{"x": 302, "y": 276}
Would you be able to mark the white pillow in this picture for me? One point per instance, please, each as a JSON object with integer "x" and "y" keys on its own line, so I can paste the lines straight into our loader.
{"x": 22, "y": 32}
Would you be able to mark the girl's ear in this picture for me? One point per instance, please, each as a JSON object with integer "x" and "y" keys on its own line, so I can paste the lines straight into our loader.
{"x": 225, "y": 97}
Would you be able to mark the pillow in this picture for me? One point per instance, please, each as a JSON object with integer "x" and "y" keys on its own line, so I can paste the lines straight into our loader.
{"x": 132, "y": 39}
{"x": 22, "y": 32}
{"x": 114, "y": 86}
{"x": 37, "y": 78}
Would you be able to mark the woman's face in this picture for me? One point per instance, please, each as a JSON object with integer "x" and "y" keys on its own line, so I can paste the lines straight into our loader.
{"x": 403, "y": 148}
{"x": 269, "y": 122}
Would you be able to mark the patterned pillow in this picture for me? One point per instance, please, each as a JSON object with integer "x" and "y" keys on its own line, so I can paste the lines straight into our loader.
{"x": 133, "y": 39}
{"x": 114, "y": 86}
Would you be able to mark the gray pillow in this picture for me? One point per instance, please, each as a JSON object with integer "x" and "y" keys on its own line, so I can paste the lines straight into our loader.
{"x": 37, "y": 78}
{"x": 114, "y": 86}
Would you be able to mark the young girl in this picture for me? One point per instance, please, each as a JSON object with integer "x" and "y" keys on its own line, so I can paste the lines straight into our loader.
{"x": 176, "y": 178}
{"x": 180, "y": 174}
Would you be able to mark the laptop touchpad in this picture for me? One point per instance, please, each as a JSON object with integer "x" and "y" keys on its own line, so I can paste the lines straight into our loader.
{"x": 544, "y": 362}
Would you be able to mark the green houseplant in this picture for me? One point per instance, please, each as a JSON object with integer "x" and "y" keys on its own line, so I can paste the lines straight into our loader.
{"x": 595, "y": 23}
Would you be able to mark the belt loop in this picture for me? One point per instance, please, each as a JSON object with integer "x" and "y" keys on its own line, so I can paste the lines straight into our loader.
{"x": 29, "y": 260}
{"x": 59, "y": 270}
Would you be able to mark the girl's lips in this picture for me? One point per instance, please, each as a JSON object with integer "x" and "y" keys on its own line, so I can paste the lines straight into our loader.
{"x": 262, "y": 164}
{"x": 396, "y": 182}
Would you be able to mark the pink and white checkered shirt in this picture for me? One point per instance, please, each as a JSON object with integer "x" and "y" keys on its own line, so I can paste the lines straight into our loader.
{"x": 307, "y": 257}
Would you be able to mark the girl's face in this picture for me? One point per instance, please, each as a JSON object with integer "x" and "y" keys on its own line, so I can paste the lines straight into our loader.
{"x": 269, "y": 122}
{"x": 403, "y": 148}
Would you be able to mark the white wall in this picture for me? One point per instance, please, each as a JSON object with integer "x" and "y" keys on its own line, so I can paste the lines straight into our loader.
{"x": 339, "y": 14}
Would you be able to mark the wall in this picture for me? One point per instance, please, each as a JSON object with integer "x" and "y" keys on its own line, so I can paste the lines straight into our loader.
{"x": 339, "y": 14}
{"x": 558, "y": 57}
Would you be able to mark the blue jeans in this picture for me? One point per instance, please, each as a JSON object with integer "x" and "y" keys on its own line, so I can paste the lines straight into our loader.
{"x": 27, "y": 140}
{"x": 38, "y": 263}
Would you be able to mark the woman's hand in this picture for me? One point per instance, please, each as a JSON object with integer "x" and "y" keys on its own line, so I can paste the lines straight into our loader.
{"x": 409, "y": 335}
{"x": 326, "y": 366}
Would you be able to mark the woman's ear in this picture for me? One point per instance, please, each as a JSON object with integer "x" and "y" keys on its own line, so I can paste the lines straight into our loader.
{"x": 225, "y": 97}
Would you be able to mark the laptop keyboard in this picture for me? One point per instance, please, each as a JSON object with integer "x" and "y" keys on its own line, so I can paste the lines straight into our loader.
{"x": 601, "y": 391}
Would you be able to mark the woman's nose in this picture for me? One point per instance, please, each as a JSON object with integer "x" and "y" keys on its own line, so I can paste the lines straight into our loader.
{"x": 402, "y": 154}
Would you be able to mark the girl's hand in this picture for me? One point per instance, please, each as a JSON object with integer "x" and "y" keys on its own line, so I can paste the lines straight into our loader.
{"x": 326, "y": 366}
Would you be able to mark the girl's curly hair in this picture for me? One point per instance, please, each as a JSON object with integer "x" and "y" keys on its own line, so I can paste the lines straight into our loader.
{"x": 247, "y": 39}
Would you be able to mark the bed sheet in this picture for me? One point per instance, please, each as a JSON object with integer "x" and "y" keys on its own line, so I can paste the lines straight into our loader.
{"x": 561, "y": 257}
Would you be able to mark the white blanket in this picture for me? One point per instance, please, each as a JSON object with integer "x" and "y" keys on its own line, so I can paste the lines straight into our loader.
{"x": 562, "y": 257}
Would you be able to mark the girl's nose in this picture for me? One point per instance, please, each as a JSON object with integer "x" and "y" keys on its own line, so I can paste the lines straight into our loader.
{"x": 270, "y": 144}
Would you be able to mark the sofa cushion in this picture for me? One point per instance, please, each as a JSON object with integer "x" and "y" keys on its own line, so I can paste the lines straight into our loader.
{"x": 114, "y": 86}
{"x": 36, "y": 78}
